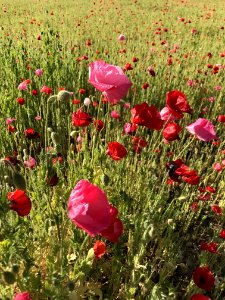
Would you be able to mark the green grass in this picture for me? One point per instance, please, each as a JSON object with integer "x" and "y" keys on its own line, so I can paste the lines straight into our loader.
{"x": 155, "y": 258}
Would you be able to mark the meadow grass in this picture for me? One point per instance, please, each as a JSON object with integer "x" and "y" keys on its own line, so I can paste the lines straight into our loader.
{"x": 160, "y": 247}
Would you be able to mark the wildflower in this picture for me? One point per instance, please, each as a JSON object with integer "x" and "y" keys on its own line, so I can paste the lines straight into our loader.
{"x": 20, "y": 101}
{"x": 177, "y": 104}
{"x": 81, "y": 119}
{"x": 115, "y": 114}
{"x": 148, "y": 116}
{"x": 203, "y": 129}
{"x": 109, "y": 79}
{"x": 19, "y": 202}
{"x": 204, "y": 278}
{"x": 116, "y": 150}
{"x": 47, "y": 90}
{"x": 38, "y": 72}
{"x": 121, "y": 37}
{"x": 22, "y": 86}
{"x": 89, "y": 209}
{"x": 99, "y": 249}
{"x": 31, "y": 163}
{"x": 171, "y": 131}
{"x": 151, "y": 71}
{"x": 99, "y": 125}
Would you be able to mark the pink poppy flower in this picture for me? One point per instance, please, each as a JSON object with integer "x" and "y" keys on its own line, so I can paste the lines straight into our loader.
{"x": 30, "y": 163}
{"x": 22, "y": 296}
{"x": 166, "y": 115}
{"x": 110, "y": 80}
{"x": 38, "y": 72}
{"x": 47, "y": 90}
{"x": 115, "y": 114}
{"x": 89, "y": 208}
{"x": 203, "y": 129}
{"x": 10, "y": 120}
{"x": 22, "y": 86}
{"x": 121, "y": 37}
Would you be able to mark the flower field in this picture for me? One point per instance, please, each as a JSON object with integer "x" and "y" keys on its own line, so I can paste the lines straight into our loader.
{"x": 112, "y": 150}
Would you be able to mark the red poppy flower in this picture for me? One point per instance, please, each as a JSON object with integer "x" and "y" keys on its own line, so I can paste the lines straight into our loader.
{"x": 210, "y": 247}
{"x": 203, "y": 278}
{"x": 216, "y": 209}
{"x": 11, "y": 128}
{"x": 138, "y": 144}
{"x": 177, "y": 104}
{"x": 82, "y": 91}
{"x": 47, "y": 90}
{"x": 221, "y": 118}
{"x": 116, "y": 150}
{"x": 171, "y": 131}
{"x": 34, "y": 92}
{"x": 99, "y": 125}
{"x": 21, "y": 101}
{"x": 128, "y": 67}
{"x": 145, "y": 86}
{"x": 199, "y": 297}
{"x": 19, "y": 202}
{"x": 222, "y": 234}
{"x": 81, "y": 119}
{"x": 31, "y": 134}
{"x": 99, "y": 249}
{"x": 148, "y": 116}
{"x": 114, "y": 231}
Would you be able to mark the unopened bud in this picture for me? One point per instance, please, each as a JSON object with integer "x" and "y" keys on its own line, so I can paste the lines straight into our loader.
{"x": 9, "y": 277}
{"x": 19, "y": 181}
{"x": 105, "y": 179}
{"x": 15, "y": 269}
{"x": 73, "y": 134}
{"x": 64, "y": 96}
{"x": 170, "y": 221}
{"x": 55, "y": 138}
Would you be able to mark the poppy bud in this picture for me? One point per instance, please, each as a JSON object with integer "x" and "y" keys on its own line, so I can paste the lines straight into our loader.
{"x": 64, "y": 96}
{"x": 55, "y": 138}
{"x": 73, "y": 134}
{"x": 15, "y": 269}
{"x": 105, "y": 179}
{"x": 19, "y": 181}
{"x": 70, "y": 285}
{"x": 9, "y": 277}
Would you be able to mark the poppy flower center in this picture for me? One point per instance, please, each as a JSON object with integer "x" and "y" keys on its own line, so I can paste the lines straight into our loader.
{"x": 202, "y": 280}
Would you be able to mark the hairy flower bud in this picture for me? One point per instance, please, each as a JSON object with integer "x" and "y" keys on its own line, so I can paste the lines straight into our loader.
{"x": 9, "y": 277}
{"x": 63, "y": 96}
{"x": 55, "y": 138}
{"x": 19, "y": 181}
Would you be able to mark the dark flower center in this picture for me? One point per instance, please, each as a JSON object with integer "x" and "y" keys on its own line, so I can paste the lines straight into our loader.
{"x": 202, "y": 280}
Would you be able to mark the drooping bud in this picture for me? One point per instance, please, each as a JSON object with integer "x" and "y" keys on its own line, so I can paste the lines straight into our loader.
{"x": 55, "y": 138}
{"x": 64, "y": 96}
{"x": 105, "y": 179}
{"x": 9, "y": 277}
{"x": 15, "y": 269}
{"x": 19, "y": 181}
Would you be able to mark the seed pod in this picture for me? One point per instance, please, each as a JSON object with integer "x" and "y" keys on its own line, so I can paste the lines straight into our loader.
{"x": 19, "y": 181}
{"x": 63, "y": 96}
{"x": 9, "y": 277}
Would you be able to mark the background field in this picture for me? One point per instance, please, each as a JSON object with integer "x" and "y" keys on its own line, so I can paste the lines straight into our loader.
{"x": 160, "y": 247}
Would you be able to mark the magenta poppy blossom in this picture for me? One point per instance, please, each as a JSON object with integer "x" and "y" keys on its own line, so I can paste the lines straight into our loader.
{"x": 203, "y": 129}
{"x": 89, "y": 208}
{"x": 22, "y": 86}
{"x": 110, "y": 80}
{"x": 22, "y": 296}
